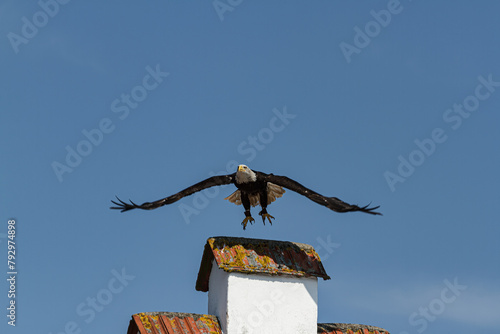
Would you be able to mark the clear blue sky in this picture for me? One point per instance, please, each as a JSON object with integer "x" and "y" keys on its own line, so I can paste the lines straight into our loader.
{"x": 394, "y": 103}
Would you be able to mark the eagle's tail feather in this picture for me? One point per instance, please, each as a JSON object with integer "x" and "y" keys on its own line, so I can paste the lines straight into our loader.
{"x": 235, "y": 197}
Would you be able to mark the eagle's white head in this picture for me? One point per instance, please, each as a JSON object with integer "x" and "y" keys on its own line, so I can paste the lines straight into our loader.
{"x": 245, "y": 175}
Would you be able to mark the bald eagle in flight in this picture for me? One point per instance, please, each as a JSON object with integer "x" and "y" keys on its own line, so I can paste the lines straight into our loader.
{"x": 254, "y": 188}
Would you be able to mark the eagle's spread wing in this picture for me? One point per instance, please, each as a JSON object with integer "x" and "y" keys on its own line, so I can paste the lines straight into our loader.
{"x": 210, "y": 182}
{"x": 333, "y": 203}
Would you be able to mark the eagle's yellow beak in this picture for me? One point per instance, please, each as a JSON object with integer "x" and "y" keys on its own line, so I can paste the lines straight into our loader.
{"x": 241, "y": 167}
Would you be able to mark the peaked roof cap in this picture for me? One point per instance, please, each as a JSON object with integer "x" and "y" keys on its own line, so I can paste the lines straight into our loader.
{"x": 259, "y": 256}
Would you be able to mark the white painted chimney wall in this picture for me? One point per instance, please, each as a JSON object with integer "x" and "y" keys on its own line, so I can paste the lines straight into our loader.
{"x": 263, "y": 304}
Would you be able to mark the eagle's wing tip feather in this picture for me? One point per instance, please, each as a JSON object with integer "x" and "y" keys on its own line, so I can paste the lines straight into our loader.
{"x": 118, "y": 205}
{"x": 123, "y": 206}
{"x": 371, "y": 210}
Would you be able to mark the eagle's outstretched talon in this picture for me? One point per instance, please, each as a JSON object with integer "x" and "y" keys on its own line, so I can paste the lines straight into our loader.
{"x": 246, "y": 221}
{"x": 265, "y": 215}
{"x": 268, "y": 216}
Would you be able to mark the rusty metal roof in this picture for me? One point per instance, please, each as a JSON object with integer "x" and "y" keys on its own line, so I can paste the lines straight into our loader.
{"x": 173, "y": 323}
{"x": 259, "y": 256}
{"x": 349, "y": 329}
{"x": 190, "y": 323}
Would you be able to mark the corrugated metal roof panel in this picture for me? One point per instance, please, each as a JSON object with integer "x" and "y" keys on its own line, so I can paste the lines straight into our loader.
{"x": 173, "y": 323}
{"x": 349, "y": 329}
{"x": 259, "y": 256}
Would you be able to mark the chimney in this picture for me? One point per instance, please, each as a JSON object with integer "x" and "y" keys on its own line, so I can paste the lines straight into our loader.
{"x": 254, "y": 286}
{"x": 261, "y": 286}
